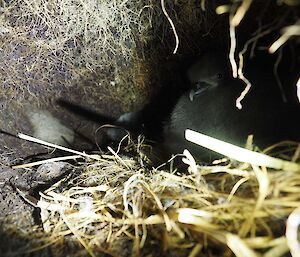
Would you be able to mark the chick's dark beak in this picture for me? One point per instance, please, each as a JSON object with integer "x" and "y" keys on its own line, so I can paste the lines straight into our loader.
{"x": 199, "y": 89}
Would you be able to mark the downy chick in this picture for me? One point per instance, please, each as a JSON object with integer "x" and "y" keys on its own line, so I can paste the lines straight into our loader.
{"x": 209, "y": 108}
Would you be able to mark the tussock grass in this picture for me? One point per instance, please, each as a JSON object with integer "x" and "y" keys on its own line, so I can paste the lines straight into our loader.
{"x": 118, "y": 203}
{"x": 218, "y": 208}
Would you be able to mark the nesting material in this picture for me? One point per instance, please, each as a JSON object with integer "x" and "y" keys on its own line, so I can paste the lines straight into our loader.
{"x": 217, "y": 209}
{"x": 239, "y": 153}
{"x": 118, "y": 204}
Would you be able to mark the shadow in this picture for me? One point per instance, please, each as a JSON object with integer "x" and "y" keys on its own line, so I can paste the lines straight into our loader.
{"x": 84, "y": 112}
{"x": 8, "y": 134}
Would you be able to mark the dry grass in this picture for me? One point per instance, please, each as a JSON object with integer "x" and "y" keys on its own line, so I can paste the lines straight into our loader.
{"x": 48, "y": 46}
{"x": 107, "y": 28}
{"x": 214, "y": 209}
{"x": 237, "y": 12}
{"x": 51, "y": 47}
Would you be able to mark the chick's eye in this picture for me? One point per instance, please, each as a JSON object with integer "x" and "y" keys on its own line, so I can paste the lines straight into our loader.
{"x": 219, "y": 76}
{"x": 198, "y": 85}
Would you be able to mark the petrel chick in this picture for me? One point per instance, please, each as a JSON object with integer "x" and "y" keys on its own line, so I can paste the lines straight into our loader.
{"x": 208, "y": 72}
{"x": 209, "y": 108}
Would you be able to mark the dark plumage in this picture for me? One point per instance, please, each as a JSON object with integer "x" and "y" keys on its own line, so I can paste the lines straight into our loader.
{"x": 209, "y": 107}
{"x": 208, "y": 72}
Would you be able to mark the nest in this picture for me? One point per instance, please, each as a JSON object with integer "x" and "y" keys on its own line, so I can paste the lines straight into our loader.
{"x": 119, "y": 205}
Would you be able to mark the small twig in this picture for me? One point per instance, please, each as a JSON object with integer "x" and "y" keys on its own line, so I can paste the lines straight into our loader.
{"x": 118, "y": 157}
{"x": 232, "y": 44}
{"x": 189, "y": 160}
{"x": 32, "y": 164}
{"x": 238, "y": 153}
{"x": 240, "y": 13}
{"x": 298, "y": 89}
{"x": 235, "y": 18}
{"x": 289, "y": 31}
{"x": 293, "y": 222}
{"x": 27, "y": 198}
{"x": 203, "y": 5}
{"x": 172, "y": 25}
{"x": 241, "y": 66}
{"x": 244, "y": 93}
{"x": 42, "y": 142}
{"x": 296, "y": 154}
{"x": 242, "y": 77}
